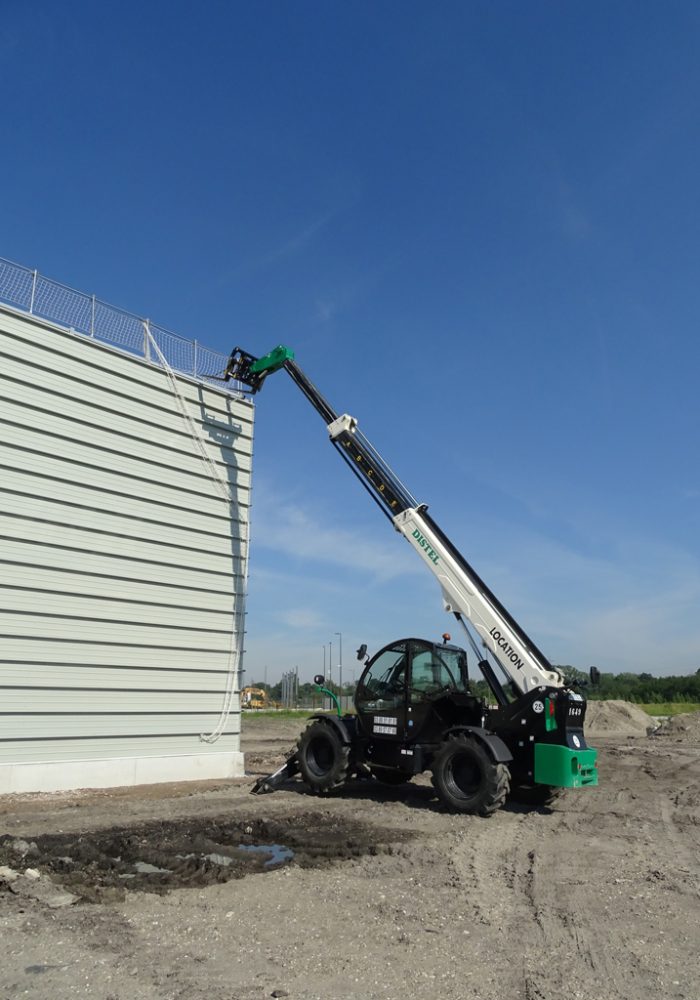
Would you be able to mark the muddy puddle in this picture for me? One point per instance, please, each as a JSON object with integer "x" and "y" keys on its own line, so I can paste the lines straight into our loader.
{"x": 158, "y": 857}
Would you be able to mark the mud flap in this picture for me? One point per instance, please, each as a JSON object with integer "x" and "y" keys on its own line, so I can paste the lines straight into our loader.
{"x": 273, "y": 781}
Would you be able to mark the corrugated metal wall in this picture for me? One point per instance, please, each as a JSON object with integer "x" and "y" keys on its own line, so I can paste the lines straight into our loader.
{"x": 119, "y": 562}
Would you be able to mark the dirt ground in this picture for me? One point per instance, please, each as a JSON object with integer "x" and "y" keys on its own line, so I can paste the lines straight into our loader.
{"x": 205, "y": 891}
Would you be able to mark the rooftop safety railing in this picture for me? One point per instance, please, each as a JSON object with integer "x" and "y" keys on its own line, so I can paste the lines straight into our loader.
{"x": 31, "y": 292}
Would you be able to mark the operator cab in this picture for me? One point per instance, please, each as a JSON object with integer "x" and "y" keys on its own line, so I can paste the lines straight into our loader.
{"x": 411, "y": 682}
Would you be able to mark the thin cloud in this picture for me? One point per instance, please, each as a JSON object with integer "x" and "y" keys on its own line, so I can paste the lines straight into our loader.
{"x": 292, "y": 531}
{"x": 325, "y": 310}
{"x": 302, "y": 618}
{"x": 286, "y": 250}
{"x": 633, "y": 609}
{"x": 300, "y": 240}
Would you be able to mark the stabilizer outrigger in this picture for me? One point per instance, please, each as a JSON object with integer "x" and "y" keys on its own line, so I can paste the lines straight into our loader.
{"x": 273, "y": 781}
{"x": 290, "y": 768}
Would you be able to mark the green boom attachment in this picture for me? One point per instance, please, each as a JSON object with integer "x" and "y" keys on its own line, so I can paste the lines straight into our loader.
{"x": 252, "y": 371}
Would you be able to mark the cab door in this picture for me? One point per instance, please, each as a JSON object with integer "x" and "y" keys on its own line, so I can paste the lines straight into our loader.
{"x": 435, "y": 674}
{"x": 380, "y": 698}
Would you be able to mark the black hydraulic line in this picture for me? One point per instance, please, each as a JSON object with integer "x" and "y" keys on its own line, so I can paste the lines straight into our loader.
{"x": 311, "y": 392}
{"x": 367, "y": 464}
{"x": 369, "y": 467}
{"x": 472, "y": 641}
{"x": 487, "y": 671}
{"x": 487, "y": 592}
{"x": 489, "y": 675}
{"x": 343, "y": 454}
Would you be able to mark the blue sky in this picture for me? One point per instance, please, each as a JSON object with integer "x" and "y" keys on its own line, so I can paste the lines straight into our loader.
{"x": 477, "y": 224}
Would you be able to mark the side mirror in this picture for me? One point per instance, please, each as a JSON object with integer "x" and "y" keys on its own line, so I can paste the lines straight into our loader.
{"x": 320, "y": 680}
{"x": 362, "y": 651}
{"x": 594, "y": 674}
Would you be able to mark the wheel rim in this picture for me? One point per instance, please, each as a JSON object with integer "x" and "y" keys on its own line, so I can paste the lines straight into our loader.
{"x": 464, "y": 776}
{"x": 320, "y": 756}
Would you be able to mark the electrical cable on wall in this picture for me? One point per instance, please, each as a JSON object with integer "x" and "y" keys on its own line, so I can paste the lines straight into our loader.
{"x": 225, "y": 494}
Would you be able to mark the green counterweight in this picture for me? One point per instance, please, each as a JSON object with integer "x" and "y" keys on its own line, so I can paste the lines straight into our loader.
{"x": 563, "y": 767}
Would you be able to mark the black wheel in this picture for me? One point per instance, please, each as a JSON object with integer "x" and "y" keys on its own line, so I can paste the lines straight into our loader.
{"x": 467, "y": 780}
{"x": 534, "y": 795}
{"x": 388, "y": 777}
{"x": 323, "y": 757}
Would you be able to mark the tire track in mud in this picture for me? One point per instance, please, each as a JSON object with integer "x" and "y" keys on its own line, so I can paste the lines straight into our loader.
{"x": 102, "y": 866}
{"x": 612, "y": 925}
{"x": 574, "y": 957}
{"x": 489, "y": 866}
{"x": 550, "y": 939}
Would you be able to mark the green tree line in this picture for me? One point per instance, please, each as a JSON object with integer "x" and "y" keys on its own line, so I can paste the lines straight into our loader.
{"x": 643, "y": 688}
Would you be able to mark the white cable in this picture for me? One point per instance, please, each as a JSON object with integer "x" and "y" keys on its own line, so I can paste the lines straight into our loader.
{"x": 225, "y": 494}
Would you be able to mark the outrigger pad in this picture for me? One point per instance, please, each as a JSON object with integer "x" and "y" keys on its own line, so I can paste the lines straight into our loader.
{"x": 275, "y": 780}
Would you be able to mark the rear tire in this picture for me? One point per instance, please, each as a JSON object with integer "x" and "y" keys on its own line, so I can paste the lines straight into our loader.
{"x": 467, "y": 780}
{"x": 324, "y": 760}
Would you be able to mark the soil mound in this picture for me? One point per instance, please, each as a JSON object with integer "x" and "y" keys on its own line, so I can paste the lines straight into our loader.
{"x": 683, "y": 728}
{"x": 617, "y": 718}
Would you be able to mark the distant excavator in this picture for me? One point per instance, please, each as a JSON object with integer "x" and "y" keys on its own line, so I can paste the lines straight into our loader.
{"x": 256, "y": 698}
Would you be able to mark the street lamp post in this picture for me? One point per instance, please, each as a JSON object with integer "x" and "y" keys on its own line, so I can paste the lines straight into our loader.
{"x": 330, "y": 672}
{"x": 340, "y": 666}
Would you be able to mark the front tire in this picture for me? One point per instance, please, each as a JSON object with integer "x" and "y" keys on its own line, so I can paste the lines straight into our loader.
{"x": 324, "y": 759}
{"x": 467, "y": 780}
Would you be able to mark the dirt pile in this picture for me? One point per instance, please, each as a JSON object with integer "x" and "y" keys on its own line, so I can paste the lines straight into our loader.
{"x": 617, "y": 718}
{"x": 683, "y": 728}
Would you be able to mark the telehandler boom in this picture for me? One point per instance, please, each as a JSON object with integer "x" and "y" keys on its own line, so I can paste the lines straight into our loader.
{"x": 415, "y": 705}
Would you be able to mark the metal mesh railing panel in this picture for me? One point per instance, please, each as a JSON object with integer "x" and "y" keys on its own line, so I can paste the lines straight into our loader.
{"x": 210, "y": 364}
{"x": 15, "y": 284}
{"x": 178, "y": 352}
{"x": 120, "y": 328}
{"x": 30, "y": 291}
{"x": 62, "y": 305}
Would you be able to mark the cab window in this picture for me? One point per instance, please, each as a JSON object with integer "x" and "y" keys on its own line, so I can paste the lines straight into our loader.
{"x": 383, "y": 684}
{"x": 436, "y": 670}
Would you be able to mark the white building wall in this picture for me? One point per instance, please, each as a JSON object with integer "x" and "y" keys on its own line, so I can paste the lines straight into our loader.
{"x": 119, "y": 563}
